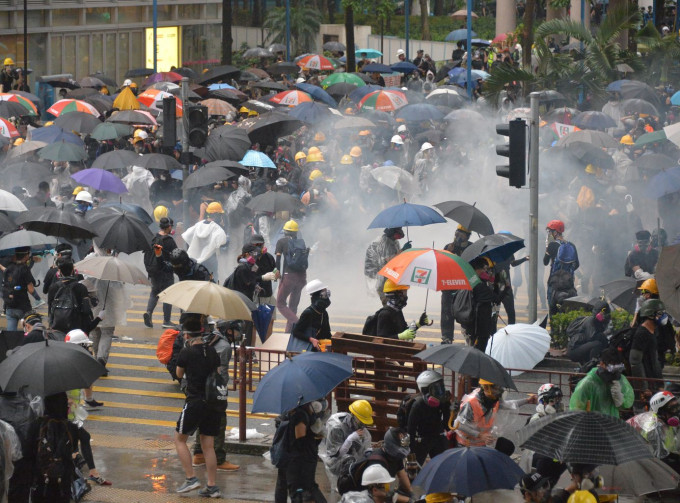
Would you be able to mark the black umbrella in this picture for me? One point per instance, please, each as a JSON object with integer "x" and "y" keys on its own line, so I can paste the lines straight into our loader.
{"x": 550, "y": 96}
{"x": 341, "y": 89}
{"x": 122, "y": 232}
{"x": 584, "y": 437}
{"x": 102, "y": 103}
{"x": 59, "y": 82}
{"x": 277, "y": 48}
{"x": 268, "y": 128}
{"x": 258, "y": 106}
{"x": 77, "y": 121}
{"x": 594, "y": 138}
{"x": 268, "y": 84}
{"x": 208, "y": 176}
{"x": 130, "y": 117}
{"x": 592, "y": 119}
{"x": 271, "y": 202}
{"x": 622, "y": 292}
{"x": 585, "y": 153}
{"x": 12, "y": 109}
{"x": 376, "y": 67}
{"x": 561, "y": 114}
{"x": 7, "y": 224}
{"x": 469, "y": 361}
{"x": 635, "y": 89}
{"x": 186, "y": 72}
{"x": 227, "y": 143}
{"x": 497, "y": 247}
{"x": 638, "y": 106}
{"x": 46, "y": 368}
{"x": 450, "y": 99}
{"x": 218, "y": 73}
{"x": 116, "y": 159}
{"x": 139, "y": 72}
{"x": 334, "y": 46}
{"x": 21, "y": 172}
{"x": 467, "y": 215}
{"x": 655, "y": 162}
{"x": 246, "y": 76}
{"x": 258, "y": 52}
{"x": 578, "y": 302}
{"x": 58, "y": 222}
{"x": 283, "y": 68}
{"x": 157, "y": 161}
{"x": 120, "y": 208}
{"x": 443, "y": 72}
{"x": 234, "y": 166}
{"x": 231, "y": 95}
{"x": 81, "y": 93}
{"x": 109, "y": 81}
{"x": 365, "y": 77}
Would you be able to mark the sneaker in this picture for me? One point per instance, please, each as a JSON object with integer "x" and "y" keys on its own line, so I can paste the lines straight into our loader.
{"x": 189, "y": 485}
{"x": 228, "y": 467}
{"x": 147, "y": 320}
{"x": 38, "y": 304}
{"x": 210, "y": 492}
{"x": 100, "y": 481}
{"x": 168, "y": 324}
{"x": 199, "y": 460}
{"x": 92, "y": 404}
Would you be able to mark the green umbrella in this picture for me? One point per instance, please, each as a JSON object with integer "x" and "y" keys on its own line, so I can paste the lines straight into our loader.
{"x": 654, "y": 137}
{"x": 335, "y": 78}
{"x": 111, "y": 131}
{"x": 63, "y": 151}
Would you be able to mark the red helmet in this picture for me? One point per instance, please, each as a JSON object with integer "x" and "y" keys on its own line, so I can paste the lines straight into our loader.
{"x": 556, "y": 225}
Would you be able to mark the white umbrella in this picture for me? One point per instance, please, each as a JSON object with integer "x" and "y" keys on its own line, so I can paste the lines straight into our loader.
{"x": 519, "y": 346}
{"x": 638, "y": 477}
{"x": 396, "y": 178}
{"x": 205, "y": 297}
{"x": 109, "y": 268}
{"x": 673, "y": 133}
{"x": 10, "y": 202}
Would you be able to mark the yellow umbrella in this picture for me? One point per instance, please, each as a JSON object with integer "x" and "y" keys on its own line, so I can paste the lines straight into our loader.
{"x": 208, "y": 298}
{"x": 126, "y": 100}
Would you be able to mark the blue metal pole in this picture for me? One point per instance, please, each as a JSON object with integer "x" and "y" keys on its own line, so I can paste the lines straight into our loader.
{"x": 155, "y": 35}
{"x": 407, "y": 12}
{"x": 287, "y": 30}
{"x": 468, "y": 48}
{"x": 581, "y": 97}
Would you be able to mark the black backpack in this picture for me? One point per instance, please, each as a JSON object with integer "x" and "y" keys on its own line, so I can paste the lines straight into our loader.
{"x": 350, "y": 479}
{"x": 622, "y": 341}
{"x": 576, "y": 332}
{"x": 296, "y": 258}
{"x": 371, "y": 324}
{"x": 65, "y": 310}
{"x": 404, "y": 410}
{"x": 464, "y": 308}
{"x": 216, "y": 391}
{"x": 282, "y": 442}
{"x": 10, "y": 280}
{"x": 53, "y": 461}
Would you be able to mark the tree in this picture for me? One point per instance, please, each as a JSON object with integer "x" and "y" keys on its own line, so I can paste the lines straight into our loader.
{"x": 305, "y": 22}
{"x": 425, "y": 19}
{"x": 661, "y": 53}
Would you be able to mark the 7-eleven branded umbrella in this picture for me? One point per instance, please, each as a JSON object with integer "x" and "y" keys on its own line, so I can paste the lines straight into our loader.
{"x": 7, "y": 129}
{"x": 433, "y": 269}
{"x": 16, "y": 98}
{"x": 316, "y": 62}
{"x": 291, "y": 98}
{"x": 386, "y": 101}
{"x": 63, "y": 106}
{"x": 153, "y": 98}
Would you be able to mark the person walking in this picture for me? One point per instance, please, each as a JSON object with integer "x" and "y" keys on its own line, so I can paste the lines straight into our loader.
{"x": 562, "y": 257}
{"x": 428, "y": 417}
{"x": 205, "y": 239}
{"x": 292, "y": 260}
{"x": 159, "y": 269}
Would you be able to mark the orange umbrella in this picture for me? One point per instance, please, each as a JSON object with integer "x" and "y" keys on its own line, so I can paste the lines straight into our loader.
{"x": 291, "y": 98}
{"x": 16, "y": 98}
{"x": 316, "y": 62}
{"x": 153, "y": 98}
{"x": 64, "y": 106}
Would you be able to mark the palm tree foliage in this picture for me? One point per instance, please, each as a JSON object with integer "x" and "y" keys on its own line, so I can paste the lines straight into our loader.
{"x": 305, "y": 22}
{"x": 661, "y": 53}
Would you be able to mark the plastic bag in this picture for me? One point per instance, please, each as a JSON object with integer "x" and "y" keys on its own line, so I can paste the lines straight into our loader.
{"x": 11, "y": 452}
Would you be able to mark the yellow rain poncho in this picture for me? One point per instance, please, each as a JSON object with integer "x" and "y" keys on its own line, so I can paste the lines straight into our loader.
{"x": 126, "y": 100}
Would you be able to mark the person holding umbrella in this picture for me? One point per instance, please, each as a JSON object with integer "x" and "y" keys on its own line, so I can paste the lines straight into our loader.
{"x": 390, "y": 321}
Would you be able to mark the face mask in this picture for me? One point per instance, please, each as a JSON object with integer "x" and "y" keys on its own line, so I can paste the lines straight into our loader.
{"x": 673, "y": 421}
{"x": 398, "y": 301}
{"x": 663, "y": 320}
{"x": 251, "y": 260}
{"x": 399, "y": 235}
{"x": 433, "y": 402}
{"x": 600, "y": 317}
{"x": 485, "y": 276}
{"x": 321, "y": 303}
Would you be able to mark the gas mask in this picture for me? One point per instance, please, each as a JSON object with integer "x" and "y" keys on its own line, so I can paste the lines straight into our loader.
{"x": 397, "y": 300}
{"x": 322, "y": 300}
{"x": 486, "y": 276}
{"x": 603, "y": 317}
{"x": 398, "y": 235}
{"x": 644, "y": 246}
{"x": 592, "y": 481}
{"x": 435, "y": 393}
{"x": 251, "y": 260}
{"x": 662, "y": 320}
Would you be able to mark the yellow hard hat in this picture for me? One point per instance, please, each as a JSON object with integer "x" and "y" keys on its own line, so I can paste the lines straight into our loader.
{"x": 77, "y": 190}
{"x": 627, "y": 140}
{"x": 319, "y": 136}
{"x": 315, "y": 157}
{"x": 463, "y": 229}
{"x": 300, "y": 155}
{"x": 582, "y": 497}
{"x": 9, "y": 61}
{"x": 590, "y": 169}
{"x": 49, "y": 123}
{"x": 313, "y": 150}
{"x": 252, "y": 113}
{"x": 291, "y": 226}
{"x": 349, "y": 111}
{"x": 243, "y": 110}
{"x": 315, "y": 174}
{"x": 365, "y": 132}
{"x": 346, "y": 159}
{"x": 650, "y": 286}
{"x": 391, "y": 286}
{"x": 18, "y": 142}
{"x": 133, "y": 85}
{"x": 214, "y": 207}
{"x": 489, "y": 262}
{"x": 355, "y": 152}
{"x": 160, "y": 212}
{"x": 485, "y": 382}
{"x": 362, "y": 410}
{"x": 439, "y": 498}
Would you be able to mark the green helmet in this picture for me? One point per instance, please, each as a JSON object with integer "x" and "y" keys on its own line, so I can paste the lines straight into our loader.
{"x": 651, "y": 307}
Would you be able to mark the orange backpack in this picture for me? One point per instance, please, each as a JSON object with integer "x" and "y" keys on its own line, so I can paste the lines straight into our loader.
{"x": 165, "y": 343}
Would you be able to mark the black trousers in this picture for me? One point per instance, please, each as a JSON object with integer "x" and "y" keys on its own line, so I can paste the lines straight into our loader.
{"x": 429, "y": 445}
{"x": 448, "y": 322}
{"x": 300, "y": 477}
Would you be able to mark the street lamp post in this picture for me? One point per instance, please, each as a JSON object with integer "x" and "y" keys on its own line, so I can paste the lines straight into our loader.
{"x": 287, "y": 30}
{"x": 407, "y": 12}
{"x": 155, "y": 34}
{"x": 468, "y": 48}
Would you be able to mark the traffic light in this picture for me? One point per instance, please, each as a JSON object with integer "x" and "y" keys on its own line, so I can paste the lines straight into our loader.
{"x": 197, "y": 124}
{"x": 169, "y": 122}
{"x": 515, "y": 150}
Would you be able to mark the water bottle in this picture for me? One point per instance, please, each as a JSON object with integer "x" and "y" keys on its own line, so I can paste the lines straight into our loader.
{"x": 17, "y": 288}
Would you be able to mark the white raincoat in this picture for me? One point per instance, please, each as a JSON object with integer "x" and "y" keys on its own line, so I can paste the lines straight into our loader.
{"x": 204, "y": 239}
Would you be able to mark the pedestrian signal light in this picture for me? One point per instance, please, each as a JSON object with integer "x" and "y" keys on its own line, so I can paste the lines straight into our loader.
{"x": 515, "y": 150}
{"x": 197, "y": 124}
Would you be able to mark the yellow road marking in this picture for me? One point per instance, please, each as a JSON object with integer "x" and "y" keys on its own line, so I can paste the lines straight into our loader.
{"x": 163, "y": 408}
{"x": 132, "y": 355}
{"x": 133, "y": 420}
{"x": 124, "y": 366}
{"x": 131, "y": 345}
{"x": 155, "y": 380}
{"x": 145, "y": 392}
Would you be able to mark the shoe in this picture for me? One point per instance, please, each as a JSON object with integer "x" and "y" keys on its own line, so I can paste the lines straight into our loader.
{"x": 210, "y": 492}
{"x": 199, "y": 460}
{"x": 228, "y": 467}
{"x": 100, "y": 481}
{"x": 38, "y": 304}
{"x": 147, "y": 320}
{"x": 92, "y": 404}
{"x": 189, "y": 485}
{"x": 446, "y": 341}
{"x": 168, "y": 324}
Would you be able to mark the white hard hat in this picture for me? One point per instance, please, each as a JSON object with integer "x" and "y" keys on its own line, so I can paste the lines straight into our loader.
{"x": 127, "y": 82}
{"x": 299, "y": 80}
{"x": 427, "y": 377}
{"x": 376, "y": 474}
{"x": 426, "y": 146}
{"x": 84, "y": 195}
{"x": 660, "y": 399}
{"x": 401, "y": 129}
{"x": 400, "y": 52}
{"x": 77, "y": 336}
{"x": 140, "y": 133}
{"x": 397, "y": 139}
{"x": 315, "y": 286}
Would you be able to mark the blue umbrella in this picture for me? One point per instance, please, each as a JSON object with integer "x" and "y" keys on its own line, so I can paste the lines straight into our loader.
{"x": 675, "y": 99}
{"x": 476, "y": 75}
{"x": 362, "y": 91}
{"x": 312, "y": 113}
{"x": 404, "y": 67}
{"x": 100, "y": 179}
{"x": 215, "y": 87}
{"x": 468, "y": 471}
{"x": 456, "y": 35}
{"x": 616, "y": 85}
{"x": 299, "y": 380}
{"x": 257, "y": 159}
{"x": 497, "y": 247}
{"x": 262, "y": 317}
{"x": 455, "y": 72}
{"x": 664, "y": 183}
{"x": 419, "y": 112}
{"x": 406, "y": 214}
{"x": 52, "y": 134}
{"x": 376, "y": 67}
{"x": 370, "y": 53}
{"x": 317, "y": 93}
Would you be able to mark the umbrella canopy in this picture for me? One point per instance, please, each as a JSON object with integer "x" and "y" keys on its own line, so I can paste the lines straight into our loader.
{"x": 29, "y": 106}
{"x": 519, "y": 346}
{"x": 299, "y": 380}
{"x": 54, "y": 133}
{"x": 577, "y": 302}
{"x": 91, "y": 82}
{"x": 584, "y": 437}
{"x": 447, "y": 98}
{"x": 462, "y": 14}
{"x": 268, "y": 84}
{"x": 116, "y": 160}
{"x": 110, "y": 268}
{"x": 562, "y": 114}
{"x": 667, "y": 181}
{"x": 110, "y": 131}
{"x": 622, "y": 292}
{"x": 469, "y": 361}
{"x": 368, "y": 53}
{"x": 586, "y": 153}
{"x": 25, "y": 148}
{"x": 234, "y": 166}
{"x": 655, "y": 162}
{"x": 258, "y": 52}
{"x": 257, "y": 159}
{"x": 205, "y": 297}
{"x": 406, "y": 214}
{"x": 593, "y": 120}
{"x": 271, "y": 202}
{"x": 7, "y": 129}
{"x": 595, "y": 138}
{"x": 226, "y": 143}
{"x": 376, "y": 68}
{"x": 63, "y": 151}
{"x": 123, "y": 233}
{"x": 100, "y": 179}
{"x": 433, "y": 269}
{"x": 357, "y": 94}
{"x": 317, "y": 93}
{"x": 133, "y": 117}
{"x": 291, "y": 98}
{"x": 37, "y": 241}
{"x": 353, "y": 123}
{"x": 77, "y": 121}
{"x": 668, "y": 279}
{"x": 497, "y": 247}
{"x": 218, "y": 74}
{"x": 452, "y": 472}
{"x": 120, "y": 208}
{"x": 59, "y": 222}
{"x": 653, "y": 137}
{"x": 157, "y": 161}
{"x": 404, "y": 67}
{"x": 81, "y": 93}
{"x": 396, "y": 179}
{"x": 316, "y": 62}
{"x": 383, "y": 100}
{"x": 639, "y": 106}
{"x": 138, "y": 72}
{"x": 12, "y": 109}
{"x": 233, "y": 96}
{"x": 7, "y": 224}
{"x": 47, "y": 368}
{"x": 218, "y": 107}
{"x": 161, "y": 77}
{"x": 642, "y": 476}
{"x": 283, "y": 68}
{"x": 419, "y": 112}
{"x": 464, "y": 115}
{"x": 64, "y": 106}
{"x": 343, "y": 77}
{"x": 467, "y": 215}
{"x": 153, "y": 98}
{"x": 10, "y": 202}
{"x": 456, "y": 35}
{"x": 334, "y": 46}
{"x": 268, "y": 128}
{"x": 636, "y": 89}
{"x": 126, "y": 100}
{"x": 208, "y": 175}
{"x": 673, "y": 133}
{"x": 312, "y": 113}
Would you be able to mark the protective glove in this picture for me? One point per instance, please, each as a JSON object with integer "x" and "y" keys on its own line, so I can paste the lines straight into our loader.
{"x": 642, "y": 275}
{"x": 407, "y": 246}
{"x": 101, "y": 314}
{"x": 270, "y": 276}
{"x": 617, "y": 394}
{"x": 423, "y": 321}
{"x": 407, "y": 335}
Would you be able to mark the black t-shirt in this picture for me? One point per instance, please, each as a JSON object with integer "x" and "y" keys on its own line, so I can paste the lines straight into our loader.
{"x": 265, "y": 263}
{"x": 17, "y": 277}
{"x": 198, "y": 362}
{"x": 645, "y": 341}
{"x": 426, "y": 421}
{"x": 314, "y": 320}
{"x": 306, "y": 447}
{"x": 390, "y": 323}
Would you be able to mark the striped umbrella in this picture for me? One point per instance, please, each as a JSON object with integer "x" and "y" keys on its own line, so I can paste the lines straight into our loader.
{"x": 386, "y": 101}
{"x": 316, "y": 62}
{"x": 348, "y": 78}
{"x": 291, "y": 98}
{"x": 63, "y": 106}
{"x": 24, "y": 102}
{"x": 153, "y": 98}
{"x": 7, "y": 129}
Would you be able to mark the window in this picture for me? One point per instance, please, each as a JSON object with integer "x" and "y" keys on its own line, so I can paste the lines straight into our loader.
{"x": 83, "y": 56}
{"x": 69, "y": 55}
{"x": 131, "y": 14}
{"x": 190, "y": 11}
{"x": 100, "y": 15}
{"x": 65, "y": 17}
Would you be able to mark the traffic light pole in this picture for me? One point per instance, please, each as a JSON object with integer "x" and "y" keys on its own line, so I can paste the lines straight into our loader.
{"x": 184, "y": 93}
{"x": 533, "y": 209}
